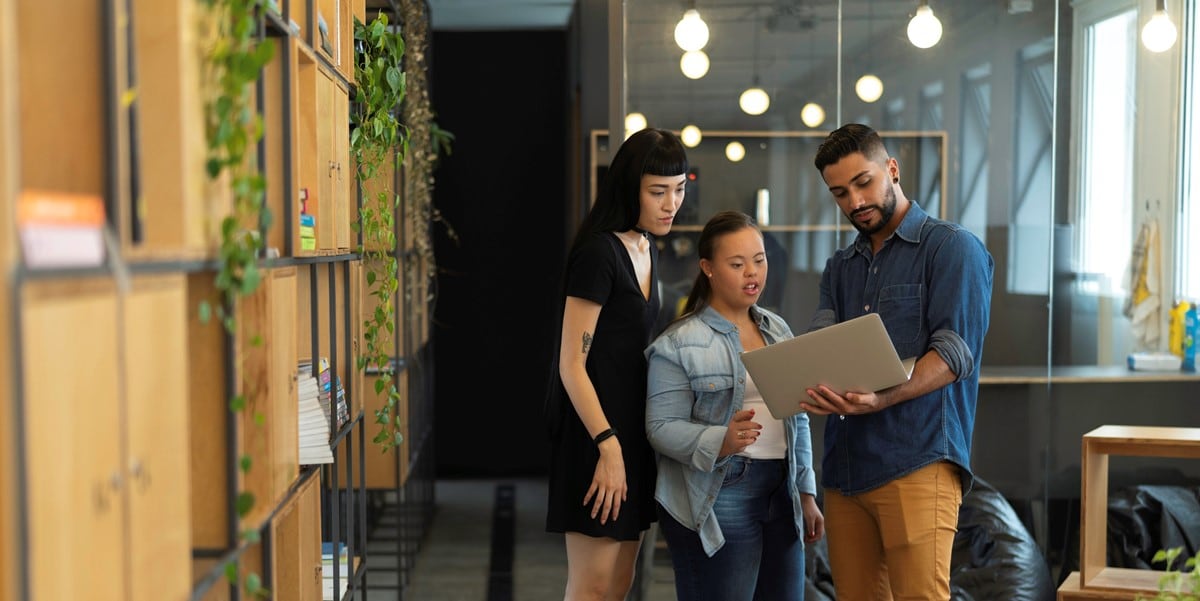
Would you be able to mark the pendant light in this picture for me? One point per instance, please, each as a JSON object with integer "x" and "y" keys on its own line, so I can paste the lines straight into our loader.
{"x": 634, "y": 122}
{"x": 1159, "y": 33}
{"x": 734, "y": 151}
{"x": 690, "y": 135}
{"x": 691, "y": 32}
{"x": 812, "y": 115}
{"x": 924, "y": 30}
{"x": 869, "y": 87}
{"x": 694, "y": 64}
{"x": 754, "y": 100}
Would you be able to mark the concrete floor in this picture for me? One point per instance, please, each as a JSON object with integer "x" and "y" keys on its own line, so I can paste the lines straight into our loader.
{"x": 452, "y": 564}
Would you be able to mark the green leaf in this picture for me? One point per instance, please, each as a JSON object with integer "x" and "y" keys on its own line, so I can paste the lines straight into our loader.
{"x": 244, "y": 463}
{"x": 253, "y": 584}
{"x": 259, "y": 418}
{"x": 231, "y": 573}
{"x": 251, "y": 535}
{"x": 250, "y": 279}
{"x": 205, "y": 312}
{"x": 244, "y": 503}
{"x": 371, "y": 278}
{"x": 379, "y": 385}
{"x": 237, "y": 403}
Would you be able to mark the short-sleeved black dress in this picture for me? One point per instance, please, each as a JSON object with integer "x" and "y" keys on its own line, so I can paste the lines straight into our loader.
{"x": 602, "y": 271}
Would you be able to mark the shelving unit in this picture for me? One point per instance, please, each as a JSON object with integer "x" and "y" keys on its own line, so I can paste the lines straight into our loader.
{"x": 118, "y": 432}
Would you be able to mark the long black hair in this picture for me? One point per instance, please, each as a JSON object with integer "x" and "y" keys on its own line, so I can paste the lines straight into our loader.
{"x": 721, "y": 224}
{"x": 618, "y": 203}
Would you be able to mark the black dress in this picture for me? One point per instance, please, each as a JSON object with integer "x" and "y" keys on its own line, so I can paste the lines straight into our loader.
{"x": 602, "y": 271}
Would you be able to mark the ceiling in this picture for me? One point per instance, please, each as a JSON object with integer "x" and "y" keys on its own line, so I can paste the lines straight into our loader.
{"x": 790, "y": 47}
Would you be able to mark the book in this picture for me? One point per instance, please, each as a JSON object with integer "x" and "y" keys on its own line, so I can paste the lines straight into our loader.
{"x": 59, "y": 229}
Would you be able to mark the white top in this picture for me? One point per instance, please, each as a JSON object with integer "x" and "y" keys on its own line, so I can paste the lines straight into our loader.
{"x": 639, "y": 252}
{"x": 772, "y": 441}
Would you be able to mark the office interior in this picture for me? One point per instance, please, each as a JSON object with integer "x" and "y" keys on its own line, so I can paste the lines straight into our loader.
{"x": 1057, "y": 131}
{"x": 1049, "y": 129}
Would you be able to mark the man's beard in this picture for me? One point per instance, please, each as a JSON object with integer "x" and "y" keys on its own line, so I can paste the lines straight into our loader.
{"x": 886, "y": 211}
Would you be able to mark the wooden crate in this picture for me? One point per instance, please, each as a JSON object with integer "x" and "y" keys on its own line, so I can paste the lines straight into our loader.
{"x": 1098, "y": 445}
{"x": 308, "y": 176}
{"x": 173, "y": 213}
{"x": 63, "y": 143}
{"x": 284, "y": 404}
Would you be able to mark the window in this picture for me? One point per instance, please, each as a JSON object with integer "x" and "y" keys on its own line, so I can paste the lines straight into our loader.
{"x": 976, "y": 117}
{"x": 1032, "y": 194}
{"x": 1104, "y": 192}
{"x": 1187, "y": 266}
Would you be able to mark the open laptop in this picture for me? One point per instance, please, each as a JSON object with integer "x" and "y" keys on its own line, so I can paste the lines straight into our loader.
{"x": 854, "y": 355}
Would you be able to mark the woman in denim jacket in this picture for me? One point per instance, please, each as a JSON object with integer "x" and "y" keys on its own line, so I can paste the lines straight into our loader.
{"x": 735, "y": 486}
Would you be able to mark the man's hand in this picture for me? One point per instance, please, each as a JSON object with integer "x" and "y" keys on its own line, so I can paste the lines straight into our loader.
{"x": 823, "y": 401}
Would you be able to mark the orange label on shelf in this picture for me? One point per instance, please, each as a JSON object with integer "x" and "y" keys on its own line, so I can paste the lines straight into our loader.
{"x": 45, "y": 207}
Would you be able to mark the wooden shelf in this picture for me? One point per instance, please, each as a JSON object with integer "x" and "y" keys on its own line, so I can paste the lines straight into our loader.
{"x": 8, "y": 194}
{"x": 129, "y": 443}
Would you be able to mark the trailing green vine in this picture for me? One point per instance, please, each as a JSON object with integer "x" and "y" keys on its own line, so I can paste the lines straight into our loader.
{"x": 377, "y": 135}
{"x": 232, "y": 130}
{"x": 1176, "y": 585}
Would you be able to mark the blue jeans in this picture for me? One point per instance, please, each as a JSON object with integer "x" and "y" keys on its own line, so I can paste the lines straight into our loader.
{"x": 762, "y": 558}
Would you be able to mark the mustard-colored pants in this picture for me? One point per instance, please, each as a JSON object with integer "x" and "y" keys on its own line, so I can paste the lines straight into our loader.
{"x": 894, "y": 542}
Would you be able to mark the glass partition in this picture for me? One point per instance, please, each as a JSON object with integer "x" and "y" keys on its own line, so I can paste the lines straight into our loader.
{"x": 1048, "y": 129}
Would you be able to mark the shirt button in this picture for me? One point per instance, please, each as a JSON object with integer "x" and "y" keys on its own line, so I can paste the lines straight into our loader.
{"x": 841, "y": 417}
{"x": 866, "y": 307}
{"x": 741, "y": 380}
{"x": 876, "y": 270}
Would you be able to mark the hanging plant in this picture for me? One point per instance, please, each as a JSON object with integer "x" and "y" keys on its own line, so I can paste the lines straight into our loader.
{"x": 377, "y": 135}
{"x": 232, "y": 131}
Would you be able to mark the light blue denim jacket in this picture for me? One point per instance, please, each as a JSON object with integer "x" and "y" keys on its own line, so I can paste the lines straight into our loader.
{"x": 696, "y": 382}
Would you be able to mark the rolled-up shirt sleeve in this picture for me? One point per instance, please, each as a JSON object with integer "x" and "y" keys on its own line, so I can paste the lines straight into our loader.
{"x": 960, "y": 302}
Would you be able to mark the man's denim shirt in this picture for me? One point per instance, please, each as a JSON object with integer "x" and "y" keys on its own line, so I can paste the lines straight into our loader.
{"x": 696, "y": 382}
{"x": 931, "y": 283}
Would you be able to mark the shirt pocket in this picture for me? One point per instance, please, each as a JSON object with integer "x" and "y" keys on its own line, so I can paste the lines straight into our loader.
{"x": 713, "y": 394}
{"x": 901, "y": 311}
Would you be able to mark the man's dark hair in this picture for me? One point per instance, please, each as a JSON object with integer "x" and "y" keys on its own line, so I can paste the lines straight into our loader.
{"x": 849, "y": 139}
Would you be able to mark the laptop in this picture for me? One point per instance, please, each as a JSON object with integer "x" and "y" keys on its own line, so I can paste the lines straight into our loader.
{"x": 854, "y": 355}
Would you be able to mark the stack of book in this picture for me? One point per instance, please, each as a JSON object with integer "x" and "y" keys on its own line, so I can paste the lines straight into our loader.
{"x": 313, "y": 426}
{"x": 331, "y": 388}
{"x": 327, "y": 568}
{"x": 308, "y": 224}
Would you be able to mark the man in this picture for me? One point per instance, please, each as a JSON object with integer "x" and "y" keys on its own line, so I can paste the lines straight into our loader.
{"x": 897, "y": 461}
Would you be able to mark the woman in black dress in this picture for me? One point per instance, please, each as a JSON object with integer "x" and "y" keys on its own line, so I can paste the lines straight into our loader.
{"x": 602, "y": 468}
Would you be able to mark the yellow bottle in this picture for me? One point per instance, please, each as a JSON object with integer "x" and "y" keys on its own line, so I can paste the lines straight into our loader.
{"x": 1175, "y": 339}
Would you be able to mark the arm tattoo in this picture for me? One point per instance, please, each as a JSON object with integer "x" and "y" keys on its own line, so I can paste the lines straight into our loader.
{"x": 587, "y": 342}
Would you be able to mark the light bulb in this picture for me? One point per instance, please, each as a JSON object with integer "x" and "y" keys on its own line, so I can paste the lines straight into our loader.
{"x": 1159, "y": 34}
{"x": 691, "y": 32}
{"x": 924, "y": 30}
{"x": 734, "y": 151}
{"x": 634, "y": 122}
{"x": 754, "y": 101}
{"x": 869, "y": 88}
{"x": 812, "y": 114}
{"x": 690, "y": 136}
{"x": 694, "y": 64}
